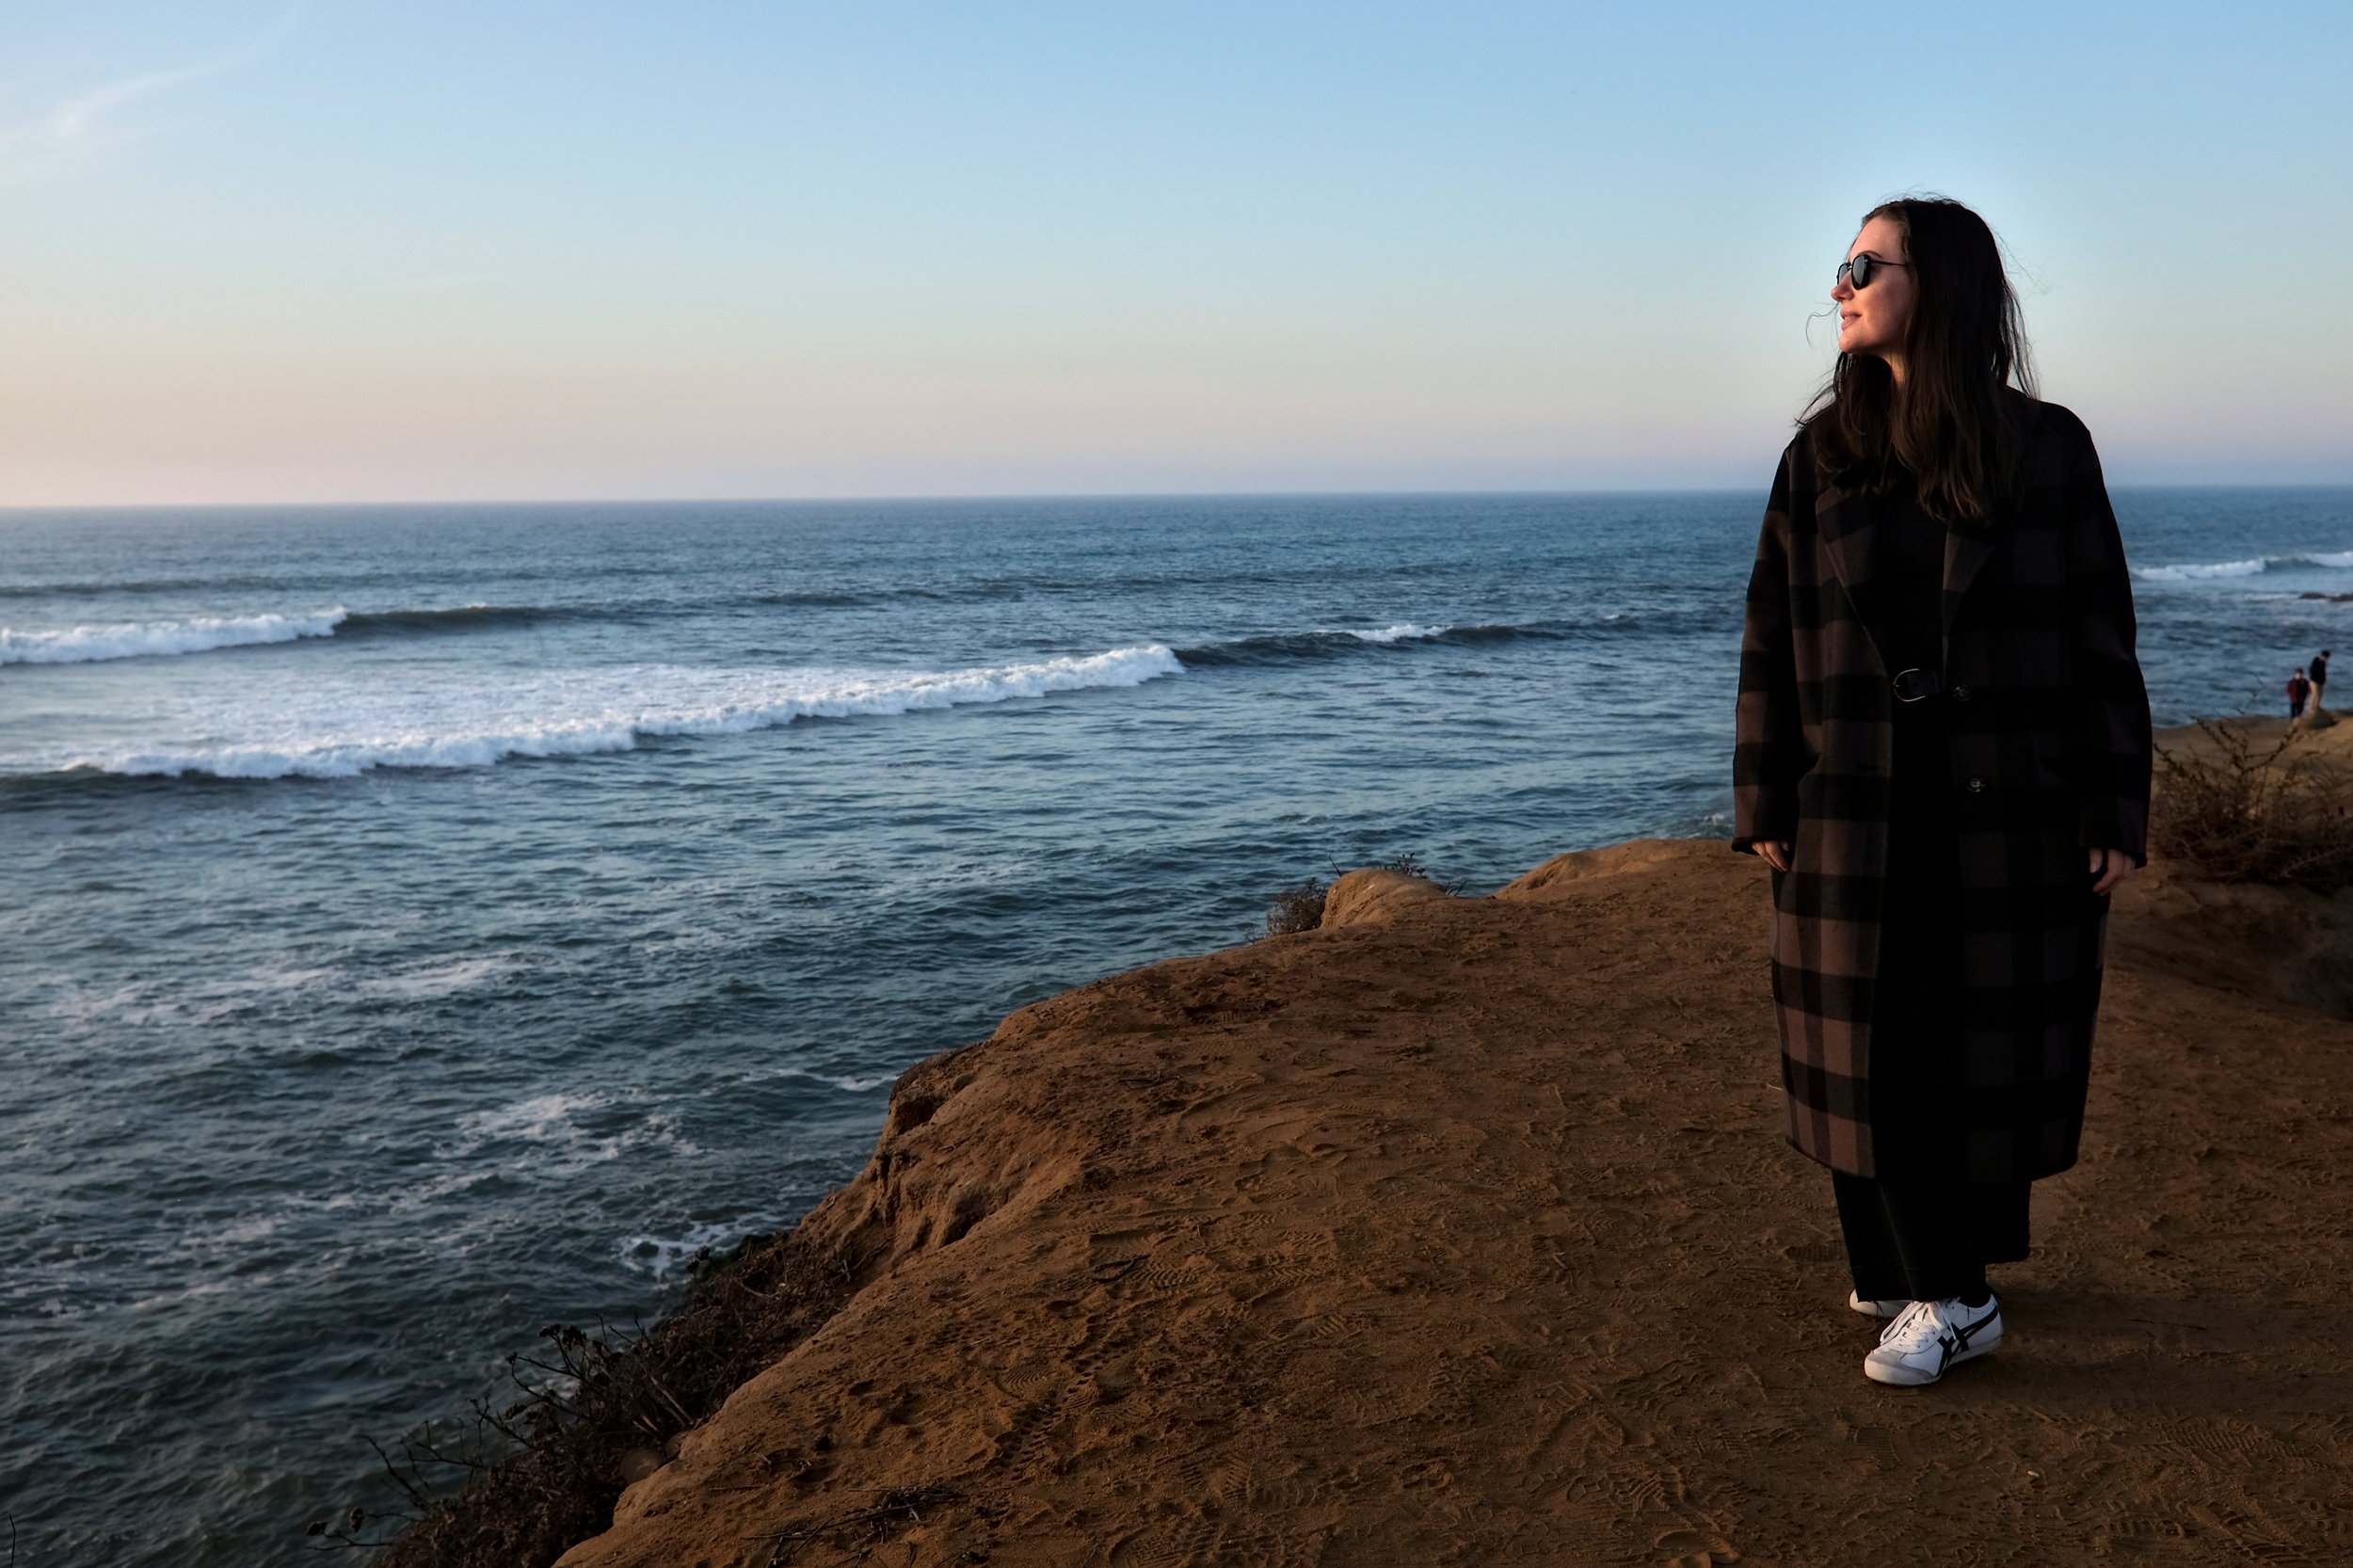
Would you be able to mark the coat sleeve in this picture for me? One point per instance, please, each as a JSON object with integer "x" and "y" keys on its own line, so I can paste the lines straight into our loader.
{"x": 1768, "y": 755}
{"x": 2111, "y": 703}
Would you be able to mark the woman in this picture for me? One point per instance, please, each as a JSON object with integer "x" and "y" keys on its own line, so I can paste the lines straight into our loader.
{"x": 1944, "y": 754}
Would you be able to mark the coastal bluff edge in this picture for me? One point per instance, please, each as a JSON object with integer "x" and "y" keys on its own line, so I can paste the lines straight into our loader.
{"x": 1463, "y": 1231}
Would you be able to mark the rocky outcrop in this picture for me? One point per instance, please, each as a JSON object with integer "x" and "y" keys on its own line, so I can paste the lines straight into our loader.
{"x": 1374, "y": 894}
{"x": 1463, "y": 1231}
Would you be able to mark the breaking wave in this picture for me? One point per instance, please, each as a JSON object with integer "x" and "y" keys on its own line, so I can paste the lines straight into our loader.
{"x": 204, "y": 634}
{"x": 2336, "y": 560}
{"x": 82, "y": 645}
{"x": 1403, "y": 631}
{"x": 1326, "y": 643}
{"x": 340, "y": 727}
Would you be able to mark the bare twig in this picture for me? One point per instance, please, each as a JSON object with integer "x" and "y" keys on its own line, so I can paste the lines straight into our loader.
{"x": 2246, "y": 814}
{"x": 415, "y": 1494}
{"x": 531, "y": 1480}
{"x": 1297, "y": 908}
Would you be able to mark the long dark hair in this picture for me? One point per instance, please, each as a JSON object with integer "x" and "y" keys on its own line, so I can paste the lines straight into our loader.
{"x": 1958, "y": 431}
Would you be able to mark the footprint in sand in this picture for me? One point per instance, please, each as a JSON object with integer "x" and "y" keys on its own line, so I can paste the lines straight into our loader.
{"x": 1697, "y": 1549}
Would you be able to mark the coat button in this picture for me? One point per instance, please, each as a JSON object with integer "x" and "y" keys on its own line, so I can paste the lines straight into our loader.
{"x": 1960, "y": 693}
{"x": 1975, "y": 786}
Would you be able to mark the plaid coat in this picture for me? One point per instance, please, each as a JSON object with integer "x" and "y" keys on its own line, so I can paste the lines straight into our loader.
{"x": 2049, "y": 738}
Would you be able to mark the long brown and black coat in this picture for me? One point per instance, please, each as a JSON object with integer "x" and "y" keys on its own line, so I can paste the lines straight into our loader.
{"x": 2048, "y": 734}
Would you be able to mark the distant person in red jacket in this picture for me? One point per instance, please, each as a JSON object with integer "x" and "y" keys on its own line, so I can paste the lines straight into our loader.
{"x": 2299, "y": 689}
{"x": 2319, "y": 675}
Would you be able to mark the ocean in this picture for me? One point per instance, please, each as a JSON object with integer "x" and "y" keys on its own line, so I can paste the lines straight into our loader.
{"x": 428, "y": 923}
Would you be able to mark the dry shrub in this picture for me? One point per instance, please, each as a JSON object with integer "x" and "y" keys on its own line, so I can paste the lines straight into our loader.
{"x": 544, "y": 1474}
{"x": 1297, "y": 908}
{"x": 2243, "y": 814}
{"x": 1300, "y": 907}
{"x": 1410, "y": 864}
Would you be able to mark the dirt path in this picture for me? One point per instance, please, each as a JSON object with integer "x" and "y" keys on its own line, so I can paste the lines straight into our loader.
{"x": 1465, "y": 1235}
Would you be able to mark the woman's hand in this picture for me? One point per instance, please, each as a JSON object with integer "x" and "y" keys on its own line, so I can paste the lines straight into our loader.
{"x": 2111, "y": 866}
{"x": 1774, "y": 852}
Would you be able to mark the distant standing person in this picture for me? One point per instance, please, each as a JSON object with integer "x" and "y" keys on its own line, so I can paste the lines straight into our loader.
{"x": 2298, "y": 690}
{"x": 1944, "y": 753}
{"x": 2319, "y": 678}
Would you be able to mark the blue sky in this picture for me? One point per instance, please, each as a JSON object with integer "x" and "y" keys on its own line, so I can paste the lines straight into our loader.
{"x": 503, "y": 250}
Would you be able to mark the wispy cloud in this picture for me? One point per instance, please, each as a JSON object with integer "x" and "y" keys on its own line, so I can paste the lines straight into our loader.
{"x": 80, "y": 120}
{"x": 58, "y": 141}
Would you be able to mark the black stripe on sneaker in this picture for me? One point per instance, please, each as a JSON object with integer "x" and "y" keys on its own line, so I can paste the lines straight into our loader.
{"x": 1956, "y": 1339}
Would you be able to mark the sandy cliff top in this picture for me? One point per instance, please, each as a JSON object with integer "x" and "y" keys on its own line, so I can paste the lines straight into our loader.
{"x": 1463, "y": 1231}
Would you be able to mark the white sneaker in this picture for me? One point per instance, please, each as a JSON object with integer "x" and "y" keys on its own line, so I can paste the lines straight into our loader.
{"x": 1930, "y": 1336}
{"x": 1875, "y": 1308}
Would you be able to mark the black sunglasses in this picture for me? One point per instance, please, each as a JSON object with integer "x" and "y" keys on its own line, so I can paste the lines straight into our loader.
{"x": 1859, "y": 270}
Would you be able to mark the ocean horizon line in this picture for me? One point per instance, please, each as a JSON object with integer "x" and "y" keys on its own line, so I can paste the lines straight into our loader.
{"x": 45, "y": 510}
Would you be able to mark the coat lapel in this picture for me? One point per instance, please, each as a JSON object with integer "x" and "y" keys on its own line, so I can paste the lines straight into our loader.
{"x": 1844, "y": 519}
{"x": 1967, "y": 548}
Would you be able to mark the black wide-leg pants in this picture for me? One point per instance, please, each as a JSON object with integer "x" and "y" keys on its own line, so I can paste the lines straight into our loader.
{"x": 1928, "y": 1241}
{"x": 1922, "y": 1231}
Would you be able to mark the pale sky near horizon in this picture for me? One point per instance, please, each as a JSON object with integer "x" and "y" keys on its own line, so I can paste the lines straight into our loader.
{"x": 522, "y": 249}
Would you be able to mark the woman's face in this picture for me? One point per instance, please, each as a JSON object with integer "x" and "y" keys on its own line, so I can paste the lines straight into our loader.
{"x": 1874, "y": 319}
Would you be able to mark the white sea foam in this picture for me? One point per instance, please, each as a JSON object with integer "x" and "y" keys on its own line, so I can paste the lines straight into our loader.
{"x": 1403, "y": 631}
{"x": 847, "y": 1084}
{"x": 546, "y": 1132}
{"x": 2190, "y": 573}
{"x": 441, "y": 979}
{"x": 541, "y": 1119}
{"x": 82, "y": 645}
{"x": 337, "y": 726}
{"x": 2332, "y": 560}
{"x": 665, "y": 1255}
